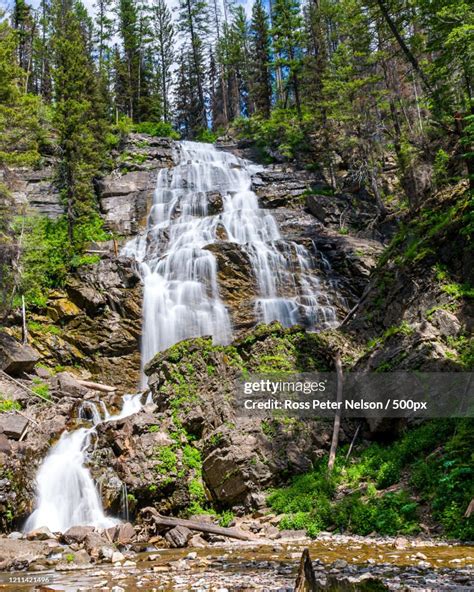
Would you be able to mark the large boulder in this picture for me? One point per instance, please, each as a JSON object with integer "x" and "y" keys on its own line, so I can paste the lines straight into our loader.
{"x": 15, "y": 357}
{"x": 12, "y": 425}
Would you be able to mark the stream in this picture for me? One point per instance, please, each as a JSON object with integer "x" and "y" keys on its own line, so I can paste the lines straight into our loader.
{"x": 271, "y": 567}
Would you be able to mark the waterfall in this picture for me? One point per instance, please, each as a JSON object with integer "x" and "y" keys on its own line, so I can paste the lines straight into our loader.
{"x": 66, "y": 493}
{"x": 204, "y": 199}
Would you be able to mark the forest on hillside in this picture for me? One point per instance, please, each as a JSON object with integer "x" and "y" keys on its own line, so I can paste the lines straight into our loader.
{"x": 362, "y": 86}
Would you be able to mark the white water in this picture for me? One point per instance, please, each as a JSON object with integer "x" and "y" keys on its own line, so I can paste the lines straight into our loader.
{"x": 181, "y": 292}
{"x": 66, "y": 493}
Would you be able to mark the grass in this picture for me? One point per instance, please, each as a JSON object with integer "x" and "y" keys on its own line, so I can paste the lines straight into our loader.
{"x": 430, "y": 466}
{"x": 7, "y": 405}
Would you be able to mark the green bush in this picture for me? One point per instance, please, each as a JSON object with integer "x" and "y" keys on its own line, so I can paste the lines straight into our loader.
{"x": 159, "y": 129}
{"x": 8, "y": 405}
{"x": 438, "y": 458}
{"x": 284, "y": 132}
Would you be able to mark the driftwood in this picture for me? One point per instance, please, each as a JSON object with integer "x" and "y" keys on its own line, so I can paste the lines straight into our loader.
{"x": 170, "y": 522}
{"x": 306, "y": 580}
{"x": 470, "y": 509}
{"x": 96, "y": 386}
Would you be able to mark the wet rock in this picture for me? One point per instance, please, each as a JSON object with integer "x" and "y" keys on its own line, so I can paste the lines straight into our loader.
{"x": 178, "y": 536}
{"x": 237, "y": 283}
{"x": 15, "y": 357}
{"x": 214, "y": 203}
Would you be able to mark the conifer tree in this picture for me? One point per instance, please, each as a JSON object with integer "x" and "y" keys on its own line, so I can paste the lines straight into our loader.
{"x": 287, "y": 31}
{"x": 260, "y": 77}
{"x": 194, "y": 25}
{"x": 78, "y": 120}
{"x": 164, "y": 40}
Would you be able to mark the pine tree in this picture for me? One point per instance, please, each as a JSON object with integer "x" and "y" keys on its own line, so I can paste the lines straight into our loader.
{"x": 163, "y": 30}
{"x": 194, "y": 25}
{"x": 24, "y": 25}
{"x": 260, "y": 76}
{"x": 287, "y": 31}
{"x": 77, "y": 118}
{"x": 20, "y": 126}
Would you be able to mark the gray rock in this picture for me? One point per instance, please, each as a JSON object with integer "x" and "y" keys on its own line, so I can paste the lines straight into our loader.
{"x": 76, "y": 534}
{"x": 12, "y": 425}
{"x": 66, "y": 384}
{"x": 15, "y": 357}
{"x": 178, "y": 536}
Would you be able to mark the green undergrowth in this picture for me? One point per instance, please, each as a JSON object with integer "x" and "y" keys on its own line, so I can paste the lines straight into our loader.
{"x": 442, "y": 220}
{"x": 7, "y": 405}
{"x": 388, "y": 489}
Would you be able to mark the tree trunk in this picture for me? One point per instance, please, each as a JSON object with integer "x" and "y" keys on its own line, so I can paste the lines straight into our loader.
{"x": 337, "y": 419}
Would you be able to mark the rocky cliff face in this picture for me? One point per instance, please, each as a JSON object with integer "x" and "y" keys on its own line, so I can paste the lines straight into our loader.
{"x": 189, "y": 446}
{"x": 126, "y": 194}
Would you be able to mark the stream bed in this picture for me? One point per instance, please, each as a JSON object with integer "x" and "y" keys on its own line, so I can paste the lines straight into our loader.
{"x": 422, "y": 565}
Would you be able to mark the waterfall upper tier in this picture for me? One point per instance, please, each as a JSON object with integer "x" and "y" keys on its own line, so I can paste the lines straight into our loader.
{"x": 201, "y": 204}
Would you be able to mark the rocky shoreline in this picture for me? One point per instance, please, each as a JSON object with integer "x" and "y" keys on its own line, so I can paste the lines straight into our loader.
{"x": 61, "y": 561}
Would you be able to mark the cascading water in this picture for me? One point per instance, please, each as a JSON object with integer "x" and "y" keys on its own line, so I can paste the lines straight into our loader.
{"x": 181, "y": 293}
{"x": 66, "y": 493}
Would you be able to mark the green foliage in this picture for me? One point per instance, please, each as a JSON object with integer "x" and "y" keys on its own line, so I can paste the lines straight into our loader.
{"x": 159, "y": 129}
{"x": 284, "y": 132}
{"x": 207, "y": 135}
{"x": 166, "y": 460}
{"x": 41, "y": 389}
{"x": 226, "y": 518}
{"x": 191, "y": 457}
{"x": 8, "y": 405}
{"x": 44, "y": 328}
{"x": 21, "y": 113}
{"x": 441, "y": 167}
{"x": 45, "y": 256}
{"x": 48, "y": 255}
{"x": 439, "y": 459}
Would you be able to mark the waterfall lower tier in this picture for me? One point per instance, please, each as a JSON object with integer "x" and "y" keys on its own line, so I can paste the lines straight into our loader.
{"x": 204, "y": 200}
{"x": 66, "y": 493}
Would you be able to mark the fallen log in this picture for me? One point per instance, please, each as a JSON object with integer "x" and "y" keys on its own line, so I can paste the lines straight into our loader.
{"x": 96, "y": 386}
{"x": 170, "y": 522}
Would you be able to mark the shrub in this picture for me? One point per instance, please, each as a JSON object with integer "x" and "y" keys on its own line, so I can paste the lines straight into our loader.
{"x": 159, "y": 129}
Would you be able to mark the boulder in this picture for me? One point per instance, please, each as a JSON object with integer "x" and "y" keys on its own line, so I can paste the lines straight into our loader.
{"x": 66, "y": 384}
{"x": 94, "y": 544}
{"x": 40, "y": 534}
{"x": 62, "y": 308}
{"x": 178, "y": 536}
{"x": 15, "y": 357}
{"x": 76, "y": 534}
{"x": 12, "y": 425}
